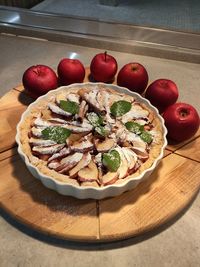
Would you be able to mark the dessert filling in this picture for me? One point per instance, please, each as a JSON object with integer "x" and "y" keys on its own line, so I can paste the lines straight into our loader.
{"x": 95, "y": 135}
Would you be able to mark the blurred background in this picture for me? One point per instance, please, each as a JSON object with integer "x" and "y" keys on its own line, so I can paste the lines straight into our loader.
{"x": 179, "y": 15}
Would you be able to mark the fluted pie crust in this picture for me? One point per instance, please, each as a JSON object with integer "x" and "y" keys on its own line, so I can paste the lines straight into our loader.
{"x": 41, "y": 108}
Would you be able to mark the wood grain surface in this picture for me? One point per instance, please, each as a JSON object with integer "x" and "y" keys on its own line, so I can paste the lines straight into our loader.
{"x": 191, "y": 150}
{"x": 27, "y": 200}
{"x": 12, "y": 105}
{"x": 155, "y": 201}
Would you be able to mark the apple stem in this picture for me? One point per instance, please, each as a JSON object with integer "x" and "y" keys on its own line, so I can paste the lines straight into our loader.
{"x": 105, "y": 53}
{"x": 36, "y": 72}
{"x": 183, "y": 113}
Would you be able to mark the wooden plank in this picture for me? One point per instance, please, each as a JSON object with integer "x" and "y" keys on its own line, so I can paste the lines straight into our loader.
{"x": 169, "y": 189}
{"x": 28, "y": 201}
{"x": 19, "y": 88}
{"x": 154, "y": 202}
{"x": 166, "y": 153}
{"x": 12, "y": 105}
{"x": 191, "y": 150}
{"x": 8, "y": 153}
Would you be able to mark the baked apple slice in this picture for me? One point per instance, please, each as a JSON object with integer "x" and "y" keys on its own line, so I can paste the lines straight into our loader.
{"x": 131, "y": 158}
{"x": 60, "y": 96}
{"x": 82, "y": 111}
{"x": 105, "y": 145}
{"x": 89, "y": 173}
{"x": 123, "y": 168}
{"x": 69, "y": 162}
{"x": 81, "y": 164}
{"x": 41, "y": 142}
{"x": 91, "y": 98}
{"x": 82, "y": 146}
{"x": 109, "y": 178}
{"x": 55, "y": 109}
{"x": 48, "y": 150}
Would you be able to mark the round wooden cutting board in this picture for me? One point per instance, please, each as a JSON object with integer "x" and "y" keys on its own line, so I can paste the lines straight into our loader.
{"x": 169, "y": 189}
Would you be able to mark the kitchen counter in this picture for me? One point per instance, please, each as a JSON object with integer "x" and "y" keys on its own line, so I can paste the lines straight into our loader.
{"x": 176, "y": 243}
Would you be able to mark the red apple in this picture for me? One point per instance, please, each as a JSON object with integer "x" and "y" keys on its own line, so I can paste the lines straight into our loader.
{"x": 162, "y": 93}
{"x": 133, "y": 76}
{"x": 39, "y": 79}
{"x": 70, "y": 71}
{"x": 103, "y": 67}
{"x": 182, "y": 121}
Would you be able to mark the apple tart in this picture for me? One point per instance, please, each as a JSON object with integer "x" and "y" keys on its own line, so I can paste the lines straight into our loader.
{"x": 91, "y": 135}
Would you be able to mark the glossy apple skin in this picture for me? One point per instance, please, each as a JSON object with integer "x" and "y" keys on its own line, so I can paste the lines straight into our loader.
{"x": 162, "y": 93}
{"x": 39, "y": 79}
{"x": 70, "y": 71}
{"x": 182, "y": 121}
{"x": 133, "y": 76}
{"x": 103, "y": 67}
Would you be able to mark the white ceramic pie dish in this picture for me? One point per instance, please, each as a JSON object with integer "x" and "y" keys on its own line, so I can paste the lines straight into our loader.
{"x": 91, "y": 192}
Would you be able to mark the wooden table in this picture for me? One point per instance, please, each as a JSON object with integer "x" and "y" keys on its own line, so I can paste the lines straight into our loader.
{"x": 171, "y": 187}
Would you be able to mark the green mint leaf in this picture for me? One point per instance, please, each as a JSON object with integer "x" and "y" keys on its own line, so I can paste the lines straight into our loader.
{"x": 101, "y": 130}
{"x": 111, "y": 160}
{"x": 69, "y": 106}
{"x": 94, "y": 119}
{"x": 146, "y": 137}
{"x": 56, "y": 133}
{"x": 134, "y": 127}
{"x": 120, "y": 108}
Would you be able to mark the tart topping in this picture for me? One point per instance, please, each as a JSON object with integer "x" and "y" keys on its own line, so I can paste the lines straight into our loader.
{"x": 62, "y": 153}
{"x": 120, "y": 108}
{"x": 93, "y": 136}
{"x": 39, "y": 122}
{"x": 97, "y": 122}
{"x": 123, "y": 168}
{"x": 41, "y": 142}
{"x": 146, "y": 137}
{"x": 90, "y": 96}
{"x": 79, "y": 129}
{"x": 111, "y": 160}
{"x": 47, "y": 150}
{"x": 69, "y": 162}
{"x": 136, "y": 141}
{"x": 105, "y": 145}
{"x": 75, "y": 157}
{"x": 89, "y": 173}
{"x": 136, "y": 112}
{"x": 69, "y": 106}
{"x": 109, "y": 178}
{"x": 106, "y": 104}
{"x": 94, "y": 119}
{"x": 139, "y": 130}
{"x": 82, "y": 111}
{"x": 57, "y": 121}
{"x": 134, "y": 127}
{"x": 60, "y": 96}
{"x": 81, "y": 164}
{"x": 55, "y": 109}
{"x": 83, "y": 145}
{"x": 101, "y": 131}
{"x": 73, "y": 98}
{"x": 131, "y": 157}
{"x": 56, "y": 133}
